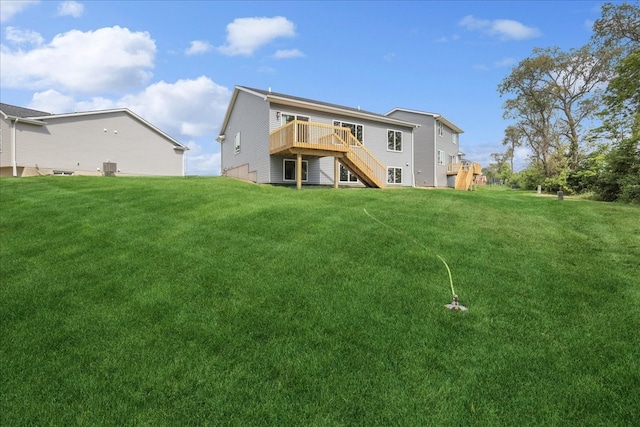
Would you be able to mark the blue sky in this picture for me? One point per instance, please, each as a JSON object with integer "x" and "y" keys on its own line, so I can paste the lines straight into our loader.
{"x": 176, "y": 63}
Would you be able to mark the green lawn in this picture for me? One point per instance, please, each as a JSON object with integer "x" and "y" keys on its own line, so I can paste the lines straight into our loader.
{"x": 208, "y": 301}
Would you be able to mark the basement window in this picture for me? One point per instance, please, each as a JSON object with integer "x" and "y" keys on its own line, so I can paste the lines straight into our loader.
{"x": 394, "y": 175}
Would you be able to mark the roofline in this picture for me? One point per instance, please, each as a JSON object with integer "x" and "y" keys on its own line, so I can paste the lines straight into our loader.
{"x": 309, "y": 104}
{"x": 434, "y": 115}
{"x": 27, "y": 120}
{"x": 111, "y": 111}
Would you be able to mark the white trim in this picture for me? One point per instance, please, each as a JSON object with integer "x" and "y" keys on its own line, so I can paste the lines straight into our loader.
{"x": 284, "y": 175}
{"x": 401, "y": 150}
{"x": 401, "y": 175}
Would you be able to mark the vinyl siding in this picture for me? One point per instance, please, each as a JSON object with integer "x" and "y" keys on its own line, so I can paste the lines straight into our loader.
{"x": 374, "y": 139}
{"x": 249, "y": 117}
{"x": 426, "y": 145}
{"x": 82, "y": 144}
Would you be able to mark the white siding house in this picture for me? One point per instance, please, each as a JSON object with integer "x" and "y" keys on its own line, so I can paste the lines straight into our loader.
{"x": 113, "y": 142}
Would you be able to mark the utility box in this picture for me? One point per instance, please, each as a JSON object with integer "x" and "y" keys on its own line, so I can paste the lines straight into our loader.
{"x": 109, "y": 169}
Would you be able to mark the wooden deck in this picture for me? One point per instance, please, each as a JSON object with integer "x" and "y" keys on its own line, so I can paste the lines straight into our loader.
{"x": 302, "y": 138}
{"x": 465, "y": 174}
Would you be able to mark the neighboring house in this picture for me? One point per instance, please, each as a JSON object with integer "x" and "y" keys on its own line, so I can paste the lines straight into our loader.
{"x": 109, "y": 142}
{"x": 268, "y": 137}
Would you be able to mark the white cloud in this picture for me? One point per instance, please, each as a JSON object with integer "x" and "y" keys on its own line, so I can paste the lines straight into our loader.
{"x": 10, "y": 8}
{"x": 390, "y": 56}
{"x": 187, "y": 107}
{"x": 286, "y": 54}
{"x": 52, "y": 101}
{"x": 202, "y": 163}
{"x": 108, "y": 59}
{"x": 18, "y": 36}
{"x": 70, "y": 8}
{"x": 198, "y": 47}
{"x": 246, "y": 35}
{"x": 505, "y": 29}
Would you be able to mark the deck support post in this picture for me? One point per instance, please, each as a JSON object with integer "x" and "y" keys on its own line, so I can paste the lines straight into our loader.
{"x": 336, "y": 172}
{"x": 299, "y": 171}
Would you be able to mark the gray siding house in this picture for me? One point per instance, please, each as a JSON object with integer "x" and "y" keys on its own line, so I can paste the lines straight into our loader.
{"x": 109, "y": 142}
{"x": 269, "y": 137}
{"x": 436, "y": 145}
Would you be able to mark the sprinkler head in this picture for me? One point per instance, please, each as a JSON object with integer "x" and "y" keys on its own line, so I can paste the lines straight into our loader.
{"x": 455, "y": 305}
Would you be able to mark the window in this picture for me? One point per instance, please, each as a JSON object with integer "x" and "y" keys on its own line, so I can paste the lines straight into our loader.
{"x": 394, "y": 175}
{"x": 302, "y": 130}
{"x": 394, "y": 140}
{"x": 439, "y": 127}
{"x": 440, "y": 157}
{"x": 289, "y": 172}
{"x": 453, "y": 159}
{"x": 454, "y": 137}
{"x": 356, "y": 130}
{"x": 236, "y": 148}
{"x": 346, "y": 175}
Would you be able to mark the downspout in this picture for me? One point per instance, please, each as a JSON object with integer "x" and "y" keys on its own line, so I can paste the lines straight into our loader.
{"x": 435, "y": 153}
{"x": 14, "y": 161}
{"x": 413, "y": 160}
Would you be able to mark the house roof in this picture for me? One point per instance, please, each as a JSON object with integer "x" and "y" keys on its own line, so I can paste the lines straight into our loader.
{"x": 440, "y": 117}
{"x": 21, "y": 112}
{"x": 34, "y": 116}
{"x": 312, "y": 104}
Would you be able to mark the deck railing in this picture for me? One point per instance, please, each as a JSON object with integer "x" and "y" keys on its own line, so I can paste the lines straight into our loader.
{"x": 301, "y": 134}
{"x": 365, "y": 161}
{"x": 454, "y": 168}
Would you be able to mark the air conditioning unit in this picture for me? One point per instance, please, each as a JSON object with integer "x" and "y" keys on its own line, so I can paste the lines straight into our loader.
{"x": 109, "y": 169}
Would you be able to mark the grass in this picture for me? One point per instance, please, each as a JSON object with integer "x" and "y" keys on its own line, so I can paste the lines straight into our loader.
{"x": 207, "y": 301}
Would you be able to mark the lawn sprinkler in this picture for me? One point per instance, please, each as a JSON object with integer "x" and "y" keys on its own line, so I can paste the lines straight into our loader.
{"x": 455, "y": 306}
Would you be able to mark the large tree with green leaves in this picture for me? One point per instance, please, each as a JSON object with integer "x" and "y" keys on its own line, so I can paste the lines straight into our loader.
{"x": 619, "y": 30}
{"x": 563, "y": 90}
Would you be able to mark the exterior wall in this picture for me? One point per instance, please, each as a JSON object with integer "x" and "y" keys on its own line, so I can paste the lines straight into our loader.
{"x": 450, "y": 149}
{"x": 428, "y": 172}
{"x": 81, "y": 144}
{"x": 5, "y": 146}
{"x": 320, "y": 170}
{"x": 249, "y": 118}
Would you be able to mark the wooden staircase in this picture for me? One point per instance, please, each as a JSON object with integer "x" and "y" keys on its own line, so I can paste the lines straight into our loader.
{"x": 466, "y": 173}
{"x": 320, "y": 140}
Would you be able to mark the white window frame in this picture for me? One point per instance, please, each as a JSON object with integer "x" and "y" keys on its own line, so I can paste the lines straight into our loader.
{"x": 441, "y": 157}
{"x": 295, "y": 117}
{"x": 394, "y": 179}
{"x": 236, "y": 144}
{"x": 454, "y": 138}
{"x": 397, "y": 134}
{"x": 351, "y": 178}
{"x": 305, "y": 168}
{"x": 341, "y": 123}
{"x": 439, "y": 127}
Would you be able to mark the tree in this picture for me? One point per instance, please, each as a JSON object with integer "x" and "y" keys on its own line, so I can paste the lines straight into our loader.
{"x": 619, "y": 28}
{"x": 562, "y": 89}
{"x": 512, "y": 139}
